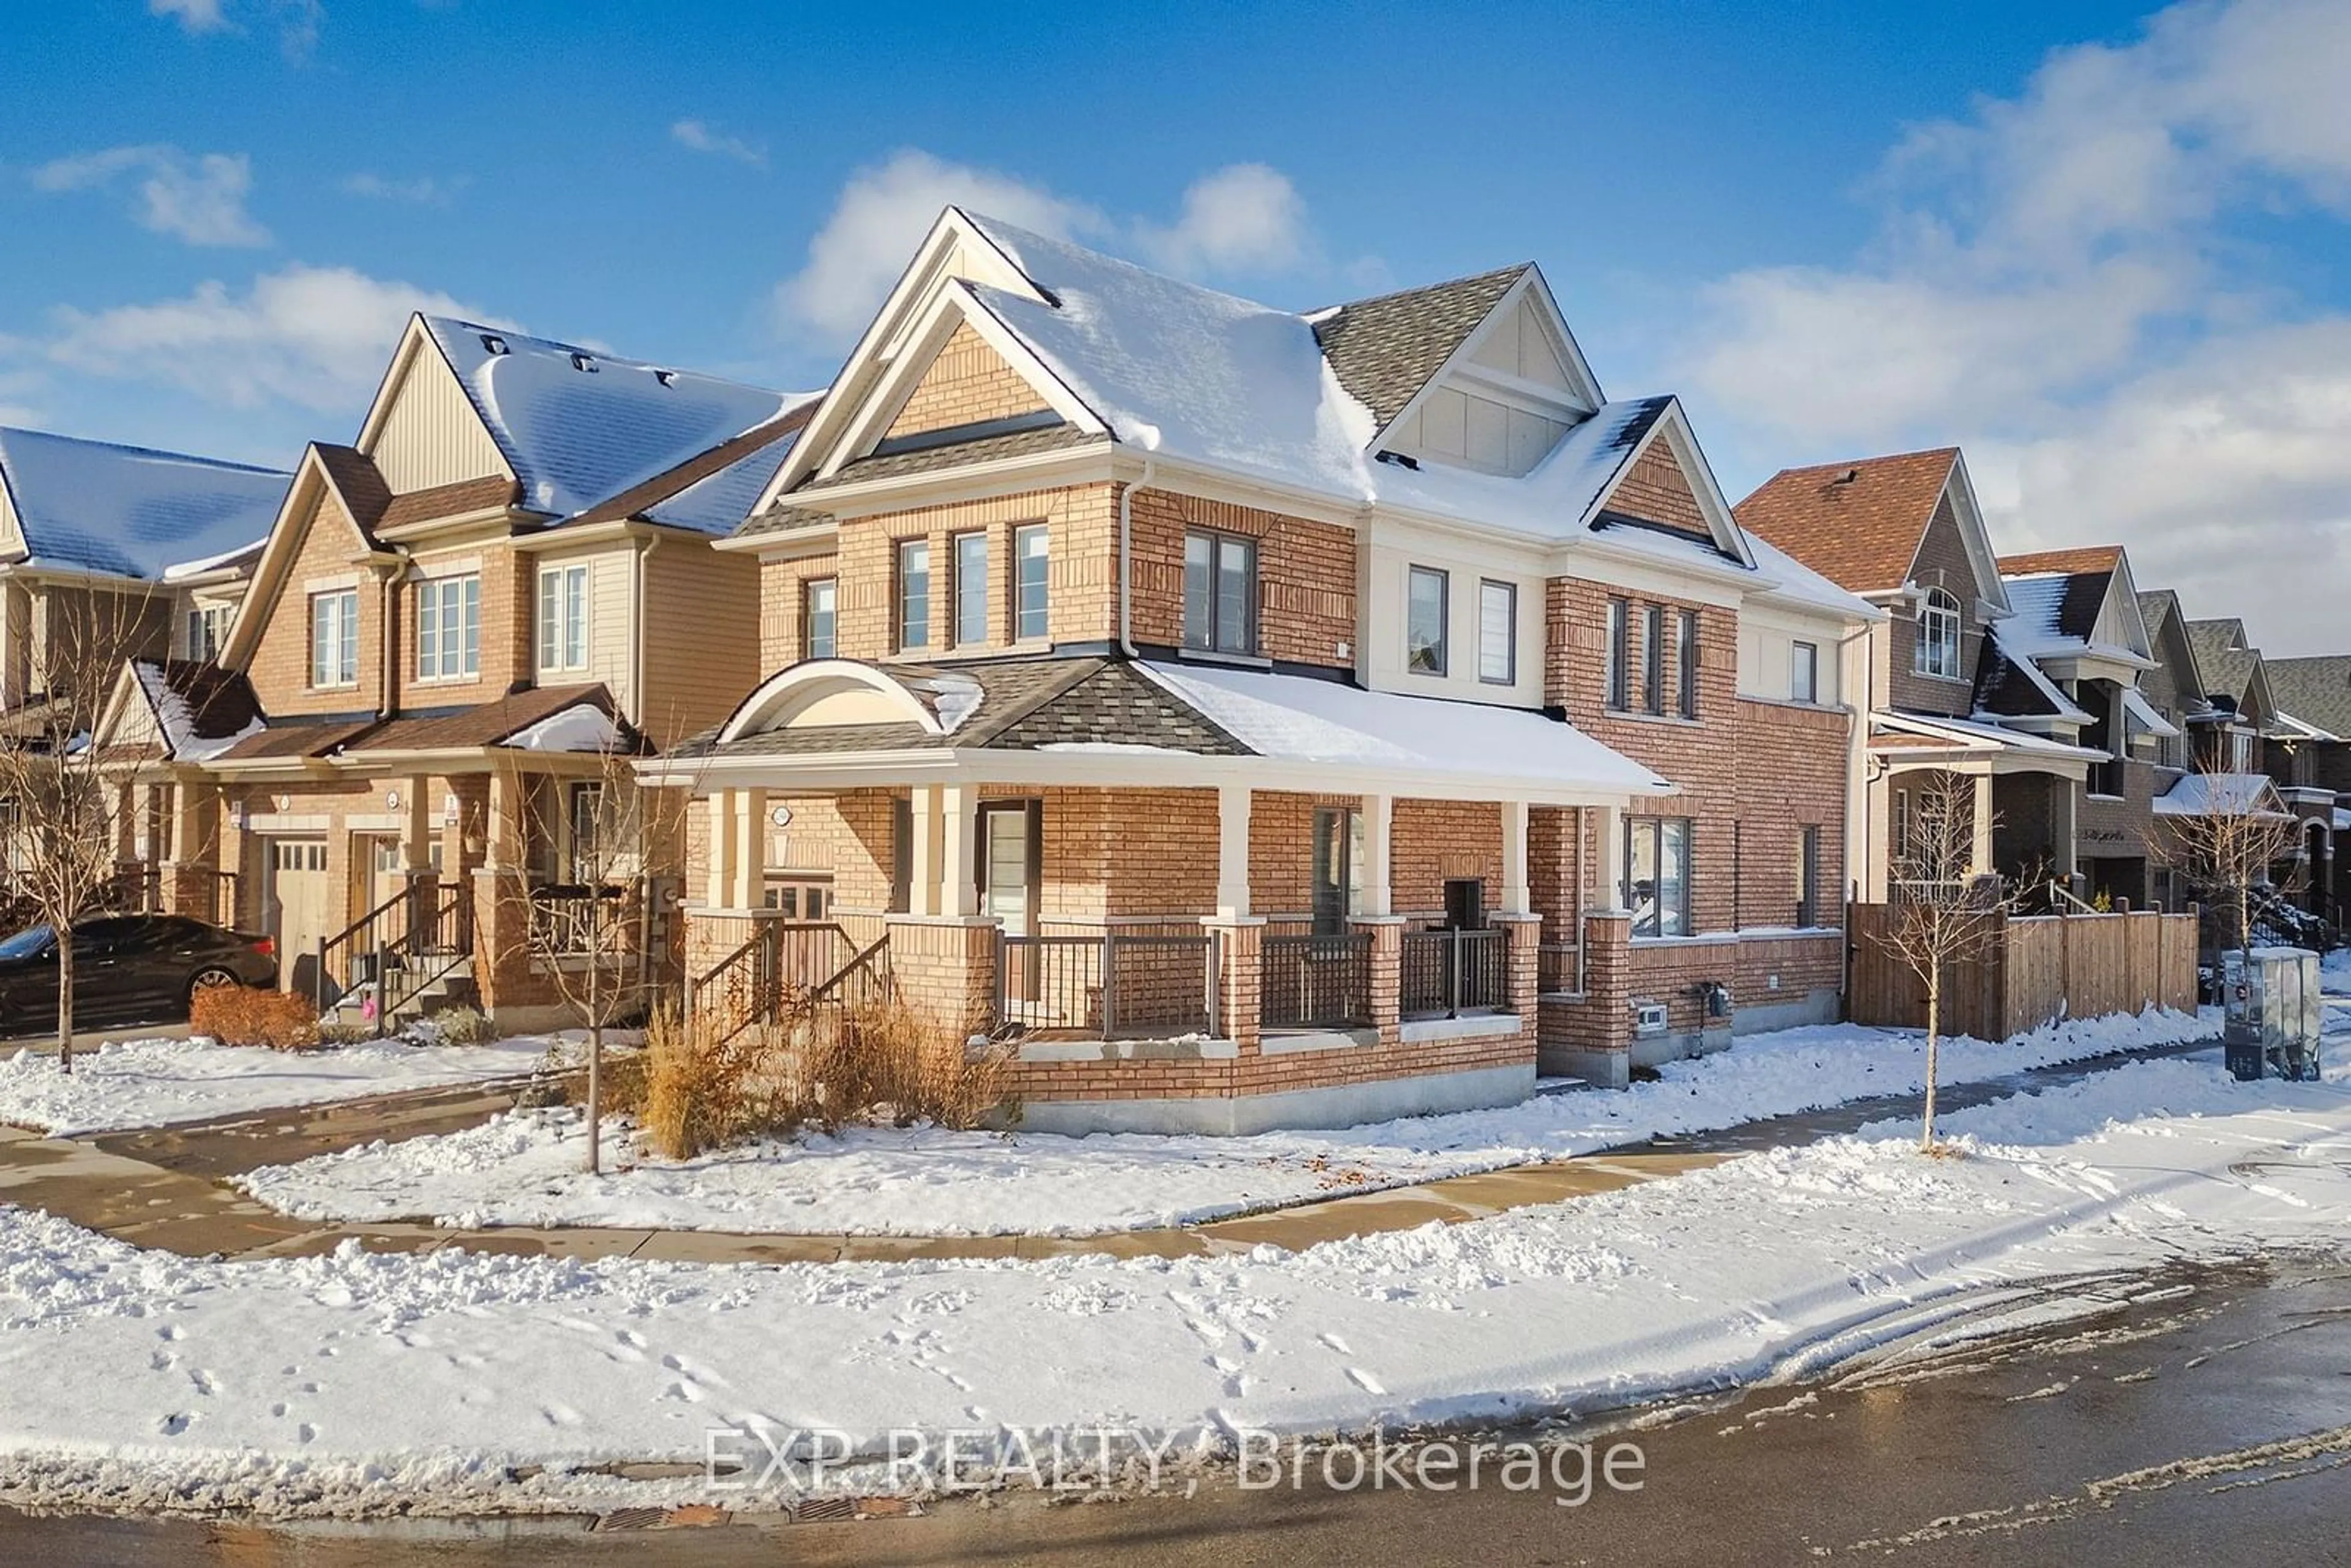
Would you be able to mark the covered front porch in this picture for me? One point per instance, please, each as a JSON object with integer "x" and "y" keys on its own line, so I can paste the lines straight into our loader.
{"x": 1160, "y": 934}
{"x": 2027, "y": 794}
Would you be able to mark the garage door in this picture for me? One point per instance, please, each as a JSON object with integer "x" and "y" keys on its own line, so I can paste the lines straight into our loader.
{"x": 297, "y": 896}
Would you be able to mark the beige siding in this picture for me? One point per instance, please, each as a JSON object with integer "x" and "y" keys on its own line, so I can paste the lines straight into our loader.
{"x": 701, "y": 637}
{"x": 431, "y": 435}
{"x": 611, "y": 634}
{"x": 1519, "y": 346}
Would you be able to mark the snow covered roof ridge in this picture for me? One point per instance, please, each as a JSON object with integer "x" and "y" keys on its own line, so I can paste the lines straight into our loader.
{"x": 131, "y": 511}
{"x": 581, "y": 426}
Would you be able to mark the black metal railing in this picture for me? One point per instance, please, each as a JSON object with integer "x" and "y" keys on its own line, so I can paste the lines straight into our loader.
{"x": 782, "y": 961}
{"x": 1115, "y": 985}
{"x": 1449, "y": 972}
{"x": 1315, "y": 982}
{"x": 440, "y": 938}
{"x": 573, "y": 919}
{"x": 350, "y": 957}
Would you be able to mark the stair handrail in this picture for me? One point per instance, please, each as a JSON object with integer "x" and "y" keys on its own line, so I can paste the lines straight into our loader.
{"x": 342, "y": 940}
{"x": 417, "y": 978}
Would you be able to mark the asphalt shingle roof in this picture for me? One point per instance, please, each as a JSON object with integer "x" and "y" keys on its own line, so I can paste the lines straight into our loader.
{"x": 128, "y": 510}
{"x": 1383, "y": 350}
{"x": 2314, "y": 690}
{"x": 1861, "y": 533}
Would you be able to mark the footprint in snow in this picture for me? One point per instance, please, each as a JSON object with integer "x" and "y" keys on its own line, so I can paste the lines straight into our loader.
{"x": 1365, "y": 1380}
{"x": 205, "y": 1383}
{"x": 305, "y": 1433}
{"x": 1335, "y": 1343}
{"x": 173, "y": 1425}
{"x": 559, "y": 1414}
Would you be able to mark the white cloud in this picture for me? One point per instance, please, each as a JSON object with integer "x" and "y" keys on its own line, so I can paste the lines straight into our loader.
{"x": 314, "y": 337}
{"x": 199, "y": 199}
{"x": 196, "y": 15}
{"x": 703, "y": 138}
{"x": 424, "y": 191}
{"x": 2051, "y": 288}
{"x": 1246, "y": 219}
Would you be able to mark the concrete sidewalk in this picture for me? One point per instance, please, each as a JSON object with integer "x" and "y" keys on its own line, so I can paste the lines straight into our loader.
{"x": 103, "y": 1187}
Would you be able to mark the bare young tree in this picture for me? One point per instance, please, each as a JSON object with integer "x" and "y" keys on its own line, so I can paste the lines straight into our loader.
{"x": 2225, "y": 851}
{"x": 1945, "y": 906}
{"x": 590, "y": 929}
{"x": 57, "y": 828}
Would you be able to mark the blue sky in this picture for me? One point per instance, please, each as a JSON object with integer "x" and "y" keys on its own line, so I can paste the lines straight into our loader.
{"x": 2099, "y": 245}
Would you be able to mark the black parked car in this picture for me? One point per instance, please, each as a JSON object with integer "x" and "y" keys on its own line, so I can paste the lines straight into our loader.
{"x": 128, "y": 968}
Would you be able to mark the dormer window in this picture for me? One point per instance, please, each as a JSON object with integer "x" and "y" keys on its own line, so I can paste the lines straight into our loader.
{"x": 1938, "y": 636}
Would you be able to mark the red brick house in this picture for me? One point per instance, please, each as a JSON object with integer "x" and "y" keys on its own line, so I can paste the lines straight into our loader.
{"x": 1266, "y": 718}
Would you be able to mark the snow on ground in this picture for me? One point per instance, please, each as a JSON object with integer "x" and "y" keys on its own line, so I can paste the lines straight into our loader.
{"x": 524, "y": 1168}
{"x": 150, "y": 1380}
{"x": 157, "y": 1082}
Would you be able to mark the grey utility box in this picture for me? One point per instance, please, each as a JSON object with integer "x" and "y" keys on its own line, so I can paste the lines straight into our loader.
{"x": 2274, "y": 1013}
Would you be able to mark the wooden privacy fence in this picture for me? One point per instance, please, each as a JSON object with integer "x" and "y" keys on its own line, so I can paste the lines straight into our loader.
{"x": 2026, "y": 971}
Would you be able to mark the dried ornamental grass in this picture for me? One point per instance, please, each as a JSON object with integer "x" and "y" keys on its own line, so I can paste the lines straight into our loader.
{"x": 249, "y": 1015}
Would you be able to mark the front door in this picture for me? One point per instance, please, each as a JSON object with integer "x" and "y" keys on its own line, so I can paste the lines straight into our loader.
{"x": 297, "y": 907}
{"x": 1008, "y": 878}
{"x": 385, "y": 879}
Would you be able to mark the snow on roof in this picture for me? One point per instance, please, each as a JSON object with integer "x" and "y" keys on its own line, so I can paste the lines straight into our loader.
{"x": 2218, "y": 795}
{"x": 128, "y": 511}
{"x": 183, "y": 736}
{"x": 1791, "y": 579}
{"x": 582, "y": 726}
{"x": 1979, "y": 732}
{"x": 1298, "y": 719}
{"x": 2038, "y": 602}
{"x": 719, "y": 503}
{"x": 2299, "y": 729}
{"x": 1172, "y": 367}
{"x": 2022, "y": 662}
{"x": 2143, "y": 717}
{"x": 1555, "y": 499}
{"x": 180, "y": 571}
{"x": 579, "y": 426}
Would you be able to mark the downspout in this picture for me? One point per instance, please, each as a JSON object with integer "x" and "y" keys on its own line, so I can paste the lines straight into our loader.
{"x": 637, "y": 632}
{"x": 387, "y": 696}
{"x": 1126, "y": 560}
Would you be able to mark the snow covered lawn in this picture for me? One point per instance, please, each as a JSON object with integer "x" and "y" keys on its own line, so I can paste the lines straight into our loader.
{"x": 523, "y": 1169}
{"x": 157, "y": 1082}
{"x": 151, "y": 1380}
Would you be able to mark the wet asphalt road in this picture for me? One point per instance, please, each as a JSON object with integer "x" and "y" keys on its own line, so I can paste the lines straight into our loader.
{"x": 2203, "y": 1416}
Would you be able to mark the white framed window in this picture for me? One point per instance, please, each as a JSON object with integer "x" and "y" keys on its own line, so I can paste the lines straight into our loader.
{"x": 449, "y": 627}
{"x": 1652, "y": 658}
{"x": 914, "y": 593}
{"x": 335, "y": 638}
{"x": 817, "y": 624}
{"x": 207, "y": 630}
{"x": 970, "y": 589}
{"x": 1497, "y": 632}
{"x": 1686, "y": 662}
{"x": 1221, "y": 592}
{"x": 1620, "y": 656}
{"x": 1804, "y": 672}
{"x": 563, "y": 617}
{"x": 1426, "y": 592}
{"x": 1938, "y": 636}
{"x": 1657, "y": 876}
{"x": 1031, "y": 558}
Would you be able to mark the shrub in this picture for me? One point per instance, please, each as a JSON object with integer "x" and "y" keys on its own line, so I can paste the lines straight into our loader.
{"x": 459, "y": 1026}
{"x": 831, "y": 1067}
{"x": 249, "y": 1015}
{"x": 346, "y": 1033}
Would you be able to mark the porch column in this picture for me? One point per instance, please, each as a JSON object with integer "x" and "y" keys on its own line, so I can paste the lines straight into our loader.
{"x": 416, "y": 829}
{"x": 959, "y": 889}
{"x": 718, "y": 872}
{"x": 924, "y": 894}
{"x": 2063, "y": 826}
{"x": 1610, "y": 893}
{"x": 1379, "y": 819}
{"x": 1979, "y": 847}
{"x": 749, "y": 856}
{"x": 1232, "y": 850}
{"x": 1515, "y": 898}
{"x": 191, "y": 850}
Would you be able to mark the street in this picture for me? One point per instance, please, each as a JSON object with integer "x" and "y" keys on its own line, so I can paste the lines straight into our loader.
{"x": 2204, "y": 1415}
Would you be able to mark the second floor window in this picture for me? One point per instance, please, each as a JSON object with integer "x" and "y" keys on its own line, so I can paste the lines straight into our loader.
{"x": 970, "y": 589}
{"x": 563, "y": 617}
{"x": 1686, "y": 660}
{"x": 335, "y": 638}
{"x": 449, "y": 627}
{"x": 1652, "y": 658}
{"x": 1804, "y": 672}
{"x": 207, "y": 630}
{"x": 1620, "y": 654}
{"x": 1220, "y": 594}
{"x": 1497, "y": 632}
{"x": 914, "y": 593}
{"x": 816, "y": 618}
{"x": 1938, "y": 636}
{"x": 1032, "y": 555}
{"x": 1424, "y": 632}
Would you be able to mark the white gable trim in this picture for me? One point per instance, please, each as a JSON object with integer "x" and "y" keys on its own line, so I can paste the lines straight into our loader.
{"x": 952, "y": 307}
{"x": 1672, "y": 426}
{"x": 1990, "y": 590}
{"x": 784, "y": 696}
{"x": 1529, "y": 288}
{"x": 304, "y": 499}
{"x": 953, "y": 248}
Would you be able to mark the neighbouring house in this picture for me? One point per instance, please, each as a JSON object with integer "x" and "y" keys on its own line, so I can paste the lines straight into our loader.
{"x": 2317, "y": 694}
{"x": 394, "y": 760}
{"x": 2254, "y": 731}
{"x": 1947, "y": 683}
{"x": 2175, "y": 689}
{"x": 2076, "y": 619}
{"x": 1265, "y": 718}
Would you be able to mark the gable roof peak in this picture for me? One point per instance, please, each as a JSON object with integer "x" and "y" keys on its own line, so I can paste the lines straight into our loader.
{"x": 2072, "y": 562}
{"x": 1857, "y": 522}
